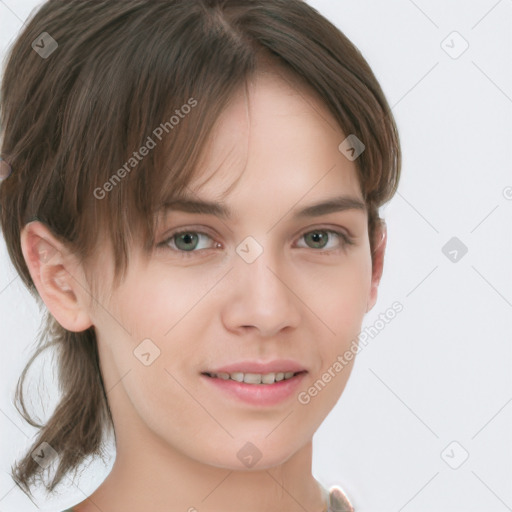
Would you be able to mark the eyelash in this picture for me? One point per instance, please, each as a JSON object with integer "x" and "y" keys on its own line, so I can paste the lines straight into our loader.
{"x": 346, "y": 241}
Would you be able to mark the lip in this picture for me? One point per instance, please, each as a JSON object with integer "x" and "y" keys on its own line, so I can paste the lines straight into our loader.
{"x": 261, "y": 395}
{"x": 274, "y": 366}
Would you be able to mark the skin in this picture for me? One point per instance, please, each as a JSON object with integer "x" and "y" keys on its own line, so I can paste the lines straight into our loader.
{"x": 177, "y": 436}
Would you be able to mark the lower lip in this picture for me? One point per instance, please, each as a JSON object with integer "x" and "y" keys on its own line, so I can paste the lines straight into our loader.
{"x": 258, "y": 394}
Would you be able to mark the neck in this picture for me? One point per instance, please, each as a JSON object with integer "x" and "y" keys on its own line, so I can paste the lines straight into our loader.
{"x": 149, "y": 475}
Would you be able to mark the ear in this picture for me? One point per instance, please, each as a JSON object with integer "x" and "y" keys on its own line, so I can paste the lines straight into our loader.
{"x": 57, "y": 276}
{"x": 379, "y": 248}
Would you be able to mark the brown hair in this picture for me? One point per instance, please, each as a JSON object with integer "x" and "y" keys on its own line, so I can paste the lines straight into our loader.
{"x": 71, "y": 118}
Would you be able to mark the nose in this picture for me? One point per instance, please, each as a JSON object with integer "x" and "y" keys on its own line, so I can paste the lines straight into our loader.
{"x": 261, "y": 296}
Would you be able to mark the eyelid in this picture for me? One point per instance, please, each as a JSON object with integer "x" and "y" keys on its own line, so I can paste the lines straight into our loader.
{"x": 342, "y": 231}
{"x": 347, "y": 239}
{"x": 183, "y": 230}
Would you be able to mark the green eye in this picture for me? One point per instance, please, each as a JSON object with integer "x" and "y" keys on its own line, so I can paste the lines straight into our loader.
{"x": 319, "y": 239}
{"x": 186, "y": 243}
{"x": 185, "y": 240}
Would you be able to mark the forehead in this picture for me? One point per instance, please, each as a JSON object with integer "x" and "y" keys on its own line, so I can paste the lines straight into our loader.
{"x": 275, "y": 142}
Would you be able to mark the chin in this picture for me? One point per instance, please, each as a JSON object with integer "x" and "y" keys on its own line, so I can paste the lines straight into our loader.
{"x": 252, "y": 453}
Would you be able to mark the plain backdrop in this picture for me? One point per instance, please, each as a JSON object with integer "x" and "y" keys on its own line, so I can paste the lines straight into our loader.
{"x": 425, "y": 422}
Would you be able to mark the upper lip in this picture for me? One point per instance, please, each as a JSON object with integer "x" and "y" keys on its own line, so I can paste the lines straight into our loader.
{"x": 274, "y": 366}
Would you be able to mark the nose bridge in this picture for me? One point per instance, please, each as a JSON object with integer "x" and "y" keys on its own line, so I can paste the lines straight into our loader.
{"x": 262, "y": 297}
{"x": 262, "y": 273}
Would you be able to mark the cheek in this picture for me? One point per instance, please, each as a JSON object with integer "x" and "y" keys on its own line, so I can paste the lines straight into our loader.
{"x": 148, "y": 313}
{"x": 340, "y": 301}
{"x": 152, "y": 304}
{"x": 159, "y": 319}
{"x": 338, "y": 293}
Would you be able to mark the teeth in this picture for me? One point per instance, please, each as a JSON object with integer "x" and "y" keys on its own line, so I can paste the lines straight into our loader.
{"x": 268, "y": 378}
{"x": 238, "y": 376}
{"x": 254, "y": 378}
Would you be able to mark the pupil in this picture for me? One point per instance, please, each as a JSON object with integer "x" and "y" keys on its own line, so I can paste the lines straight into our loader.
{"x": 187, "y": 238}
{"x": 317, "y": 237}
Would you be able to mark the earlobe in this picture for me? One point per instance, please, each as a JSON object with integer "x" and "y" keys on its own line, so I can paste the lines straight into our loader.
{"x": 54, "y": 273}
{"x": 377, "y": 262}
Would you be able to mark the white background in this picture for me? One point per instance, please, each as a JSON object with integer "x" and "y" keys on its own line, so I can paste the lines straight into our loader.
{"x": 440, "y": 372}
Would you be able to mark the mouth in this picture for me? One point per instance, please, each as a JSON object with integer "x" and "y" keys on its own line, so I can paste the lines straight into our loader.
{"x": 254, "y": 378}
{"x": 255, "y": 389}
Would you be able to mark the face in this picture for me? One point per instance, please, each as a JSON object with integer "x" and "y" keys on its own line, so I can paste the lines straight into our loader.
{"x": 263, "y": 291}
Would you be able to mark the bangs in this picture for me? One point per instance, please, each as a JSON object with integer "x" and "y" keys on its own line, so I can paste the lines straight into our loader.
{"x": 110, "y": 128}
{"x": 157, "y": 114}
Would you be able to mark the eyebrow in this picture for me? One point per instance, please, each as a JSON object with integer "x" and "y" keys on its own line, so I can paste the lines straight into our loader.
{"x": 334, "y": 204}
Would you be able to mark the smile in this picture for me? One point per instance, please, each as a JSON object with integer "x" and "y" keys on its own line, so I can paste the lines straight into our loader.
{"x": 254, "y": 378}
{"x": 262, "y": 390}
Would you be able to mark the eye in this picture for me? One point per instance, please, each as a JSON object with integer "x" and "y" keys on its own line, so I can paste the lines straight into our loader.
{"x": 319, "y": 239}
{"x": 187, "y": 241}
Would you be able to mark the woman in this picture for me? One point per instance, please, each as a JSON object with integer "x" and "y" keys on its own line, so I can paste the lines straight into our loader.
{"x": 194, "y": 197}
